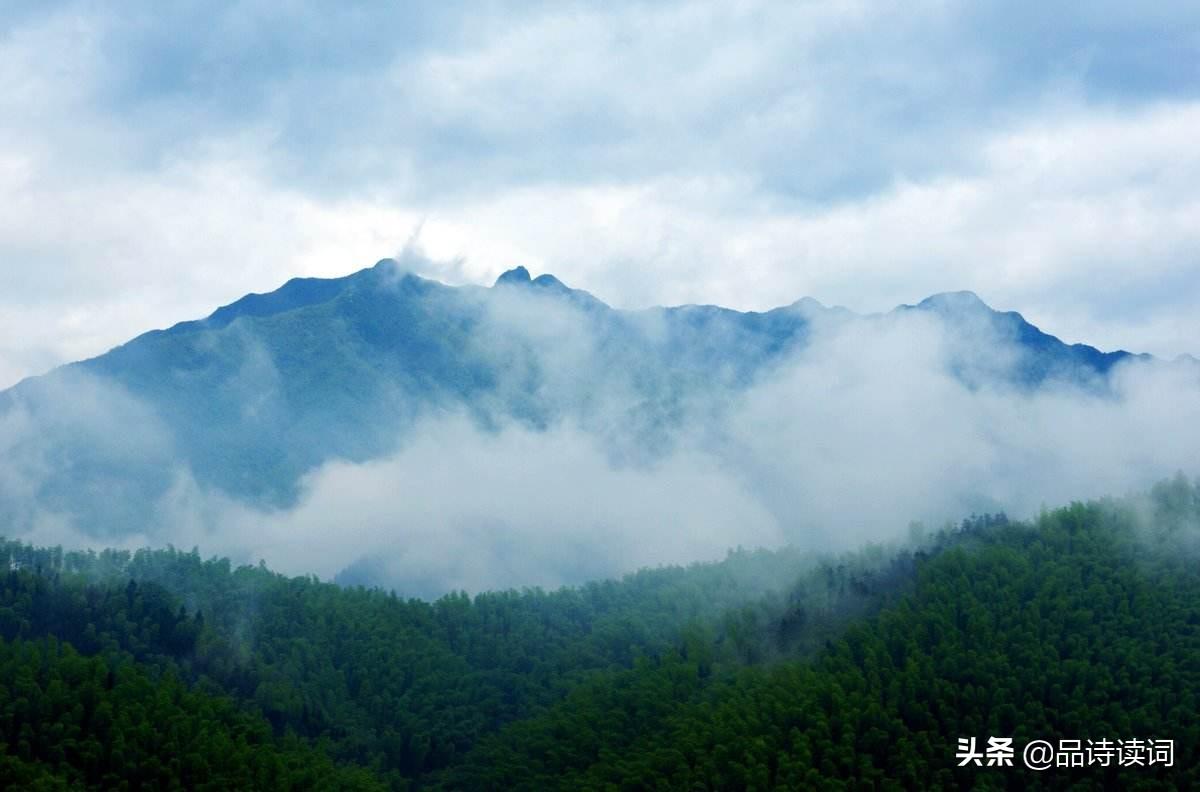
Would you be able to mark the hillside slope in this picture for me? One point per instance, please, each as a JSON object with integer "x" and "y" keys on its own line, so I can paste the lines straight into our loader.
{"x": 767, "y": 670}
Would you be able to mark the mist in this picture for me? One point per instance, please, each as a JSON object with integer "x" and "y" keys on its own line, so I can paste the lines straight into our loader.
{"x": 585, "y": 461}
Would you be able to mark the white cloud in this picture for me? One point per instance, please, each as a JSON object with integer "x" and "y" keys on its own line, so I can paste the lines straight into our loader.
{"x": 867, "y": 154}
{"x": 460, "y": 509}
{"x": 1085, "y": 223}
{"x": 844, "y": 444}
{"x": 847, "y": 440}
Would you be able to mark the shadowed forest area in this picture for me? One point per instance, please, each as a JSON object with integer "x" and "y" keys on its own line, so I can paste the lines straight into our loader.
{"x": 768, "y": 670}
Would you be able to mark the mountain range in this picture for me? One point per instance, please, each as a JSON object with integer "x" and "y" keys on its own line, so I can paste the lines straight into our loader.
{"x": 272, "y": 386}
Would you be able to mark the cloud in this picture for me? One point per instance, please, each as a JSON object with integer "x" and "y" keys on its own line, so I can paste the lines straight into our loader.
{"x": 810, "y": 100}
{"x": 76, "y": 438}
{"x": 868, "y": 428}
{"x": 843, "y": 442}
{"x": 154, "y": 165}
{"x": 1085, "y": 223}
{"x": 461, "y": 508}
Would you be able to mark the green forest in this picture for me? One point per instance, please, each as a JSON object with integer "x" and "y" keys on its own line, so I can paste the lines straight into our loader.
{"x": 160, "y": 669}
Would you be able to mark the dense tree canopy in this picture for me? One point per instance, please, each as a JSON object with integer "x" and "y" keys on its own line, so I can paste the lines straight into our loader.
{"x": 159, "y": 669}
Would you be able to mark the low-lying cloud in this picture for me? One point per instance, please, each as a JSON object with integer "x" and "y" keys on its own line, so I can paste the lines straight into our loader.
{"x": 845, "y": 441}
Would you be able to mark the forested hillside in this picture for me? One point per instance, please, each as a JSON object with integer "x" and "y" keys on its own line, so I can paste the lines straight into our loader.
{"x": 1078, "y": 626}
{"x": 766, "y": 670}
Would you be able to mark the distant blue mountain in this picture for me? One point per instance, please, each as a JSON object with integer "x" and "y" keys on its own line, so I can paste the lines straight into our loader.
{"x": 273, "y": 385}
{"x": 1042, "y": 356}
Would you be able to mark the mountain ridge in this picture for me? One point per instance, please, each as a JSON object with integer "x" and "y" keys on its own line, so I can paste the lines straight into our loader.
{"x": 301, "y": 292}
{"x": 268, "y": 388}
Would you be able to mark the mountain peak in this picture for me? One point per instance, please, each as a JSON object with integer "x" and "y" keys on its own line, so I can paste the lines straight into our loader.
{"x": 516, "y": 275}
{"x": 548, "y": 281}
{"x": 809, "y": 305}
{"x": 547, "y": 284}
{"x": 954, "y": 301}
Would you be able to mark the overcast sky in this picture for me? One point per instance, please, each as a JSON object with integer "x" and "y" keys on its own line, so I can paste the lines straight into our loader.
{"x": 156, "y": 162}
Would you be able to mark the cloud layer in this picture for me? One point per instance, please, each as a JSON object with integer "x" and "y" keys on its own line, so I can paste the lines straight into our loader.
{"x": 155, "y": 164}
{"x": 844, "y": 444}
{"x": 844, "y": 441}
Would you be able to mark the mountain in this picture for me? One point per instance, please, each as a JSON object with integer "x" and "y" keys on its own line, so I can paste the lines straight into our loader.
{"x": 1043, "y": 356}
{"x": 246, "y": 401}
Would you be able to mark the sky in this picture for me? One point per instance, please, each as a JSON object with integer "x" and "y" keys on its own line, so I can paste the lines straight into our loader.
{"x": 159, "y": 160}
